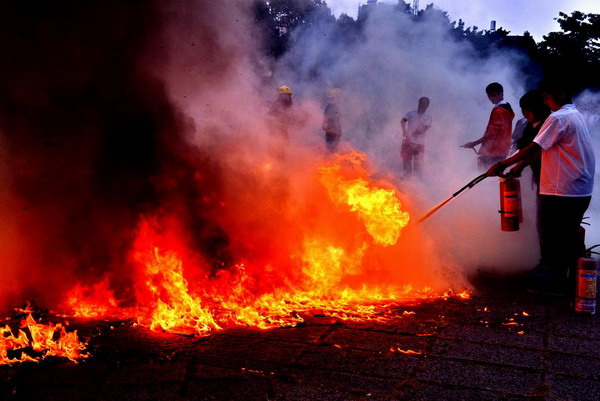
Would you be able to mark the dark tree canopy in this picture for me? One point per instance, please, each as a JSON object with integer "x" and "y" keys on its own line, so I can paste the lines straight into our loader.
{"x": 574, "y": 51}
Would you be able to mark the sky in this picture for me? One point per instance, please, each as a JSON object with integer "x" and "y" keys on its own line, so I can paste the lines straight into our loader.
{"x": 516, "y": 16}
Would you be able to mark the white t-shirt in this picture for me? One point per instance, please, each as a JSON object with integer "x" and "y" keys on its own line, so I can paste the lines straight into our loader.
{"x": 417, "y": 122}
{"x": 568, "y": 162}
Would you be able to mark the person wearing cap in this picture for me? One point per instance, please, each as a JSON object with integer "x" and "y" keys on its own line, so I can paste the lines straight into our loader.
{"x": 496, "y": 141}
{"x": 332, "y": 120}
{"x": 565, "y": 189}
{"x": 279, "y": 121}
{"x": 414, "y": 126}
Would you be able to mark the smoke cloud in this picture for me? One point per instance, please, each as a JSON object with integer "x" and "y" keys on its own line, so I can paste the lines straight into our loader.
{"x": 112, "y": 115}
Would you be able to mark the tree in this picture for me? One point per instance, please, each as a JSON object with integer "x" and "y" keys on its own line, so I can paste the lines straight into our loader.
{"x": 574, "y": 52}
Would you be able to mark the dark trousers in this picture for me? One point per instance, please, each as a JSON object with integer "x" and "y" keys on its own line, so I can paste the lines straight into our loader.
{"x": 412, "y": 157}
{"x": 560, "y": 241}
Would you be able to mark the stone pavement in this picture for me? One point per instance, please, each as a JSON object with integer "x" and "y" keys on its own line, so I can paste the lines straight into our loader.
{"x": 502, "y": 344}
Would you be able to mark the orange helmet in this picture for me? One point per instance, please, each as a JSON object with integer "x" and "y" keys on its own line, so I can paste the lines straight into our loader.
{"x": 285, "y": 89}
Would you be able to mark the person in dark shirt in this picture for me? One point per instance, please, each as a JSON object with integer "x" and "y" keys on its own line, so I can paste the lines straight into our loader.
{"x": 536, "y": 112}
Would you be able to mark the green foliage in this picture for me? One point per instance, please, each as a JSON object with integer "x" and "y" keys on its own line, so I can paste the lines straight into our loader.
{"x": 575, "y": 51}
{"x": 579, "y": 39}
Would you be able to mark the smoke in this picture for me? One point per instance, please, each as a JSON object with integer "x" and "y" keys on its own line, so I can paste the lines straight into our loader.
{"x": 115, "y": 117}
{"x": 588, "y": 103}
{"x": 90, "y": 141}
{"x": 383, "y": 73}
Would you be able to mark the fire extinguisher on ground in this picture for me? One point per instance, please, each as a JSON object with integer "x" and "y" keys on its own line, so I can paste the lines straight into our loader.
{"x": 585, "y": 285}
{"x": 510, "y": 204}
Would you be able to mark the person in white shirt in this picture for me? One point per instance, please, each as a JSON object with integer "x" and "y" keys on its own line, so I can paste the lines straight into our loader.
{"x": 566, "y": 185}
{"x": 414, "y": 125}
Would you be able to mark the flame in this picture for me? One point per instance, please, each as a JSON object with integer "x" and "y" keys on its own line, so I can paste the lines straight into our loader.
{"x": 378, "y": 208}
{"x": 174, "y": 308}
{"x": 45, "y": 340}
{"x": 337, "y": 252}
{"x": 83, "y": 301}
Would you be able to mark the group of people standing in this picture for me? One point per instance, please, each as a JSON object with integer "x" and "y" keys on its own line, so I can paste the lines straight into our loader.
{"x": 552, "y": 138}
{"x": 556, "y": 143}
{"x": 281, "y": 117}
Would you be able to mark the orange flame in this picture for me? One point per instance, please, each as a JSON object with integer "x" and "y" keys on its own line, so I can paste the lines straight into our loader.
{"x": 378, "y": 208}
{"x": 45, "y": 340}
{"x": 338, "y": 253}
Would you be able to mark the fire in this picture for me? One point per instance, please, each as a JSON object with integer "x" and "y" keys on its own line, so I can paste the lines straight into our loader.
{"x": 175, "y": 309}
{"x": 83, "y": 301}
{"x": 378, "y": 208}
{"x": 337, "y": 252}
{"x": 40, "y": 340}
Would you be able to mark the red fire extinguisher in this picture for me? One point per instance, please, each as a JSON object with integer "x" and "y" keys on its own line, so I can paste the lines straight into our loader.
{"x": 510, "y": 204}
{"x": 585, "y": 286}
{"x": 585, "y": 296}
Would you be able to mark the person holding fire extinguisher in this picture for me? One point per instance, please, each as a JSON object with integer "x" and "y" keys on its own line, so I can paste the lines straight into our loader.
{"x": 566, "y": 185}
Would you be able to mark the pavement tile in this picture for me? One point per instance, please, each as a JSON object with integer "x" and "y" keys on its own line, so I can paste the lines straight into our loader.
{"x": 431, "y": 392}
{"x": 528, "y": 316}
{"x": 57, "y": 373}
{"x": 384, "y": 364}
{"x": 573, "y": 389}
{"x": 405, "y": 325}
{"x": 491, "y": 353}
{"x": 150, "y": 392}
{"x": 570, "y": 325}
{"x": 495, "y": 335}
{"x": 251, "y": 349}
{"x": 374, "y": 341}
{"x": 311, "y": 385}
{"x": 226, "y": 366}
{"x": 147, "y": 374}
{"x": 574, "y": 365}
{"x": 577, "y": 346}
{"x": 303, "y": 333}
{"x": 478, "y": 376}
{"x": 247, "y": 389}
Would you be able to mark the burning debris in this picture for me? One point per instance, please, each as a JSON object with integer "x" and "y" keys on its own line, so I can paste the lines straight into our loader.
{"x": 36, "y": 341}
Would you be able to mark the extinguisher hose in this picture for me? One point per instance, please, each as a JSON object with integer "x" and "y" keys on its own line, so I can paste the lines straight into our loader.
{"x": 471, "y": 184}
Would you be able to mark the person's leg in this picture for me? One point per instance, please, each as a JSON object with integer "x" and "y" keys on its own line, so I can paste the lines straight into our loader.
{"x": 573, "y": 208}
{"x": 406, "y": 154}
{"x": 549, "y": 271}
{"x": 419, "y": 152}
{"x": 560, "y": 243}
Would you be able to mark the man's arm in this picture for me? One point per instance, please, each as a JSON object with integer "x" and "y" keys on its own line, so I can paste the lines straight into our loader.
{"x": 473, "y": 144}
{"x": 525, "y": 155}
{"x": 403, "y": 125}
{"x": 494, "y": 127}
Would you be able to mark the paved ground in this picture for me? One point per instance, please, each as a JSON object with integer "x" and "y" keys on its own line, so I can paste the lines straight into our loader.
{"x": 484, "y": 348}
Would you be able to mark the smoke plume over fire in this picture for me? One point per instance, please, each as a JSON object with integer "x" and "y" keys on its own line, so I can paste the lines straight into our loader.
{"x": 137, "y": 181}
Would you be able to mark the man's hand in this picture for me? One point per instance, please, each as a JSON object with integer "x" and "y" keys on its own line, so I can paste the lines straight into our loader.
{"x": 516, "y": 171}
{"x": 469, "y": 145}
{"x": 495, "y": 170}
